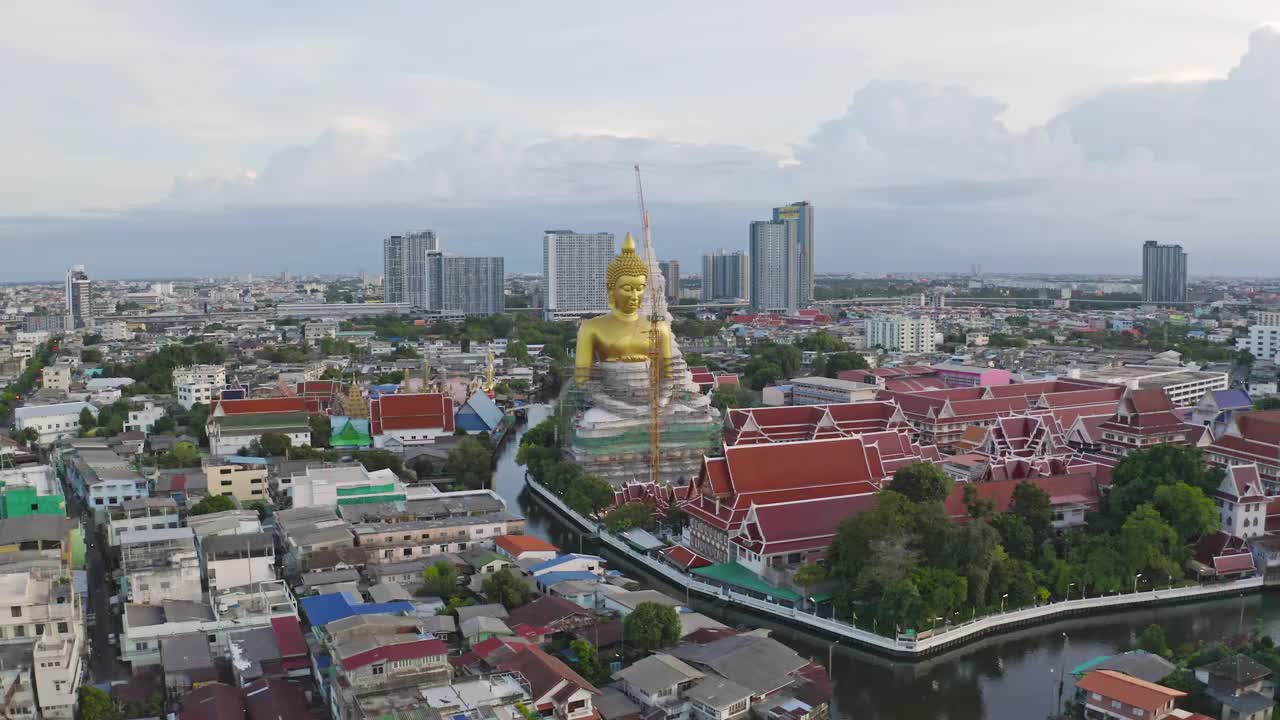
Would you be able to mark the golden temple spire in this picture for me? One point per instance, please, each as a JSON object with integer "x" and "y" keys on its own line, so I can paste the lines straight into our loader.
{"x": 488, "y": 383}
{"x": 356, "y": 405}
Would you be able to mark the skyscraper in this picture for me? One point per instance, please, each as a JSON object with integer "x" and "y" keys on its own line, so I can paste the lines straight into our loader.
{"x": 781, "y": 252}
{"x": 574, "y": 266}
{"x": 404, "y": 263}
{"x": 79, "y": 295}
{"x": 671, "y": 272}
{"x": 725, "y": 276}
{"x": 465, "y": 285}
{"x": 1164, "y": 273}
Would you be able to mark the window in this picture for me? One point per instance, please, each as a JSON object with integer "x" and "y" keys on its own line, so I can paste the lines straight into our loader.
{"x": 39, "y": 628}
{"x": 1138, "y": 712}
{"x": 1115, "y": 704}
{"x": 62, "y": 627}
{"x": 379, "y": 669}
{"x": 213, "y": 639}
{"x": 20, "y": 631}
{"x": 141, "y": 646}
{"x": 1095, "y": 696}
{"x": 15, "y": 611}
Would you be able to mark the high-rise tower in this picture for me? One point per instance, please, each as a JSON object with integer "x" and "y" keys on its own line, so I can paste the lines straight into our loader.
{"x": 79, "y": 295}
{"x": 404, "y": 262}
{"x": 1164, "y": 273}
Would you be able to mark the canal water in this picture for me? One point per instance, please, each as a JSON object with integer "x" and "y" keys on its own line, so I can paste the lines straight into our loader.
{"x": 1013, "y": 676}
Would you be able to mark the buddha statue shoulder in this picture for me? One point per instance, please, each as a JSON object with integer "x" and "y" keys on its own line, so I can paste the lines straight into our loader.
{"x": 624, "y": 334}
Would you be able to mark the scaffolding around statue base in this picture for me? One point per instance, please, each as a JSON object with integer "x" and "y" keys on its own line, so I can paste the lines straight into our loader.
{"x": 610, "y": 423}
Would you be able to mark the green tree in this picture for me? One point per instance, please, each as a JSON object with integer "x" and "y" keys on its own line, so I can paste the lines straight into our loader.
{"x": 589, "y": 494}
{"x": 821, "y": 342}
{"x": 184, "y": 454}
{"x": 440, "y": 579}
{"x": 87, "y": 420}
{"x": 1149, "y": 545}
{"x": 517, "y": 350}
{"x": 470, "y": 464}
{"x": 28, "y": 436}
{"x": 1140, "y": 473}
{"x": 978, "y": 507}
{"x": 1154, "y": 640}
{"x": 213, "y": 504}
{"x": 922, "y": 482}
{"x": 1267, "y": 403}
{"x": 650, "y": 627}
{"x": 586, "y": 662}
{"x": 165, "y": 424}
{"x": 321, "y": 430}
{"x": 1033, "y": 505}
{"x": 423, "y": 467}
{"x": 1016, "y": 536}
{"x": 627, "y": 516}
{"x": 504, "y": 587}
{"x": 809, "y": 576}
{"x": 272, "y": 444}
{"x": 839, "y": 362}
{"x": 375, "y": 460}
{"x": 1187, "y": 510}
{"x": 90, "y": 355}
{"x": 730, "y": 395}
{"x": 96, "y": 704}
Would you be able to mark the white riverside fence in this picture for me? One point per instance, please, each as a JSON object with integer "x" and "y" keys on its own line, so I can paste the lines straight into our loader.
{"x": 932, "y": 641}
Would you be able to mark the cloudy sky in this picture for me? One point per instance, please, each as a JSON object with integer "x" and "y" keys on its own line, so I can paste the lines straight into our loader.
{"x": 176, "y": 138}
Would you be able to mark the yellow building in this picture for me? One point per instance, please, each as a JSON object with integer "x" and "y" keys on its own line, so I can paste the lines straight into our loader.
{"x": 243, "y": 478}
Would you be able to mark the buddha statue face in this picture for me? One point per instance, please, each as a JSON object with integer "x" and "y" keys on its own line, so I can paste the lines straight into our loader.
{"x": 627, "y": 293}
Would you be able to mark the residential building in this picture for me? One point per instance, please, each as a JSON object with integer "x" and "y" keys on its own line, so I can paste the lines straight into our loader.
{"x": 902, "y": 334}
{"x": 159, "y": 565}
{"x": 819, "y": 390}
{"x": 148, "y": 513}
{"x": 234, "y": 424}
{"x": 465, "y": 285}
{"x": 671, "y": 275}
{"x": 228, "y": 612}
{"x": 1241, "y": 688}
{"x": 244, "y": 478}
{"x": 44, "y": 607}
{"x": 726, "y": 276}
{"x": 374, "y": 654}
{"x": 144, "y": 419}
{"x": 404, "y": 264}
{"x": 199, "y": 384}
{"x": 330, "y": 487}
{"x": 781, "y": 252}
{"x": 574, "y": 269}
{"x": 1263, "y": 341}
{"x": 100, "y": 477}
{"x": 403, "y": 541}
{"x": 554, "y": 688}
{"x": 19, "y": 702}
{"x": 56, "y": 377}
{"x": 308, "y": 530}
{"x": 230, "y": 561}
{"x": 1113, "y": 695}
{"x": 1164, "y": 273}
{"x": 79, "y": 298}
{"x": 53, "y": 422}
{"x": 30, "y": 490}
{"x": 406, "y": 419}
{"x": 659, "y": 681}
{"x": 762, "y": 665}
{"x": 525, "y": 547}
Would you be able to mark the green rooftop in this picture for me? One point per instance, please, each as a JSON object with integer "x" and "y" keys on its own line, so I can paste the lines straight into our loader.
{"x": 739, "y": 576}
{"x": 260, "y": 421}
{"x": 350, "y": 436}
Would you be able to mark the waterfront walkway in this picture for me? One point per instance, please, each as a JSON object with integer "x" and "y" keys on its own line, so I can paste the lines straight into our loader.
{"x": 943, "y": 638}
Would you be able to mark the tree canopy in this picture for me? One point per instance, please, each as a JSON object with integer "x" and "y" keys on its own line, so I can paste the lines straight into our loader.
{"x": 470, "y": 464}
{"x": 213, "y": 504}
{"x": 504, "y": 587}
{"x": 651, "y": 626}
{"x": 440, "y": 579}
{"x": 922, "y": 482}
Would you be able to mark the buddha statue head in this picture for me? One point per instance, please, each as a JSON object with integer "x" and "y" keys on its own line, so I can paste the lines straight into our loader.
{"x": 627, "y": 277}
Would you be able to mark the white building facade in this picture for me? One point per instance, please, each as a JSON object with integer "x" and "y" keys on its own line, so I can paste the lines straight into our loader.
{"x": 902, "y": 334}
{"x": 574, "y": 269}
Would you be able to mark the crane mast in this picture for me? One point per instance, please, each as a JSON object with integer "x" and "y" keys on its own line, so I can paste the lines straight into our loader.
{"x": 655, "y": 348}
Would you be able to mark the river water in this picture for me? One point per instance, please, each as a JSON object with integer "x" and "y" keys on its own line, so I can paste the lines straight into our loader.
{"x": 1013, "y": 676}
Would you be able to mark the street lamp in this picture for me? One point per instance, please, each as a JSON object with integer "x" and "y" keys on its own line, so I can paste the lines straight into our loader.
{"x": 1002, "y": 599}
{"x": 934, "y": 624}
{"x": 831, "y": 655}
{"x": 1069, "y": 586}
{"x": 1135, "y": 582}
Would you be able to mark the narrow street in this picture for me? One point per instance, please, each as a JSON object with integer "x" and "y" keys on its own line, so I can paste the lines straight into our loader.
{"x": 104, "y": 658}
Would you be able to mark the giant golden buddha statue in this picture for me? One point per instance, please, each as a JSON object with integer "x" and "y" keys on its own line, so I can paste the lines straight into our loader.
{"x": 624, "y": 334}
{"x": 611, "y": 428}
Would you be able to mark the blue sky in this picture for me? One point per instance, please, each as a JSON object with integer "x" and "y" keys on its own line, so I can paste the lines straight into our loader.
{"x": 929, "y": 134}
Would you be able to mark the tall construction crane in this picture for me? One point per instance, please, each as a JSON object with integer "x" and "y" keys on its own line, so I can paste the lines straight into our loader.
{"x": 655, "y": 347}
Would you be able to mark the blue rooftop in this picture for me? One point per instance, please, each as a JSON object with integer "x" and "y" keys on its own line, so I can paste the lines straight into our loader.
{"x": 552, "y": 579}
{"x": 246, "y": 460}
{"x": 324, "y": 609}
{"x": 1232, "y": 399}
{"x": 556, "y": 562}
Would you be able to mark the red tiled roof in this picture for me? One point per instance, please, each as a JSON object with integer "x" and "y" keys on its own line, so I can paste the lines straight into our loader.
{"x": 213, "y": 701}
{"x": 914, "y": 384}
{"x": 684, "y": 558}
{"x": 262, "y": 405}
{"x": 1080, "y": 482}
{"x": 753, "y": 468}
{"x": 1245, "y": 482}
{"x": 542, "y": 671}
{"x": 1260, "y": 426}
{"x": 544, "y": 611}
{"x": 411, "y": 411}
{"x": 1231, "y": 564}
{"x": 399, "y": 651}
{"x": 1114, "y": 685}
{"x": 1244, "y": 449}
{"x": 813, "y": 521}
{"x": 516, "y": 544}
{"x": 289, "y": 637}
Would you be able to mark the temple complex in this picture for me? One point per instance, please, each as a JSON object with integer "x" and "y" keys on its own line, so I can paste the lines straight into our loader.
{"x": 612, "y": 397}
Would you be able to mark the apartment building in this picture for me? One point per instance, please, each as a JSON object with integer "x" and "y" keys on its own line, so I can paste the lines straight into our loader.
{"x": 231, "y": 561}
{"x": 158, "y": 566}
{"x": 244, "y": 478}
{"x": 142, "y": 514}
{"x": 52, "y": 422}
{"x": 402, "y": 541}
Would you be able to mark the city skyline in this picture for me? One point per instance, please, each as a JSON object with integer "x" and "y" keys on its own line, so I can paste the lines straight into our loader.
{"x": 928, "y": 158}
